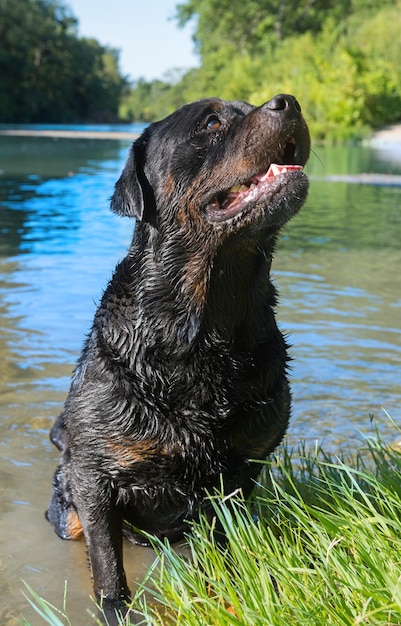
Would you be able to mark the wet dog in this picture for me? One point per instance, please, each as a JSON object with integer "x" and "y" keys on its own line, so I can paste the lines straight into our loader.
{"x": 183, "y": 377}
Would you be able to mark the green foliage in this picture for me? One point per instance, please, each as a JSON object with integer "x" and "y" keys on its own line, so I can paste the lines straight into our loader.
{"x": 248, "y": 24}
{"x": 340, "y": 59}
{"x": 144, "y": 101}
{"x": 320, "y": 545}
{"x": 48, "y": 73}
{"x": 316, "y": 554}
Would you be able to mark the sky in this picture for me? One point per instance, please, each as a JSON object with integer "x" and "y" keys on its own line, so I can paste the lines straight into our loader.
{"x": 150, "y": 42}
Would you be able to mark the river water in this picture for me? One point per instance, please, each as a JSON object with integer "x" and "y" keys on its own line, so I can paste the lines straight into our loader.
{"x": 338, "y": 270}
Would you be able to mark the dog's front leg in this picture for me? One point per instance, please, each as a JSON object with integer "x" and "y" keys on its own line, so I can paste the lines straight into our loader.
{"x": 101, "y": 521}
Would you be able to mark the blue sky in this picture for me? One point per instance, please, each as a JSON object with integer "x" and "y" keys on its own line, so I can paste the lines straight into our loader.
{"x": 150, "y": 43}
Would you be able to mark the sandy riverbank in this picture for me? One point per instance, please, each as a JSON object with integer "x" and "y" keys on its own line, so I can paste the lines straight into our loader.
{"x": 387, "y": 137}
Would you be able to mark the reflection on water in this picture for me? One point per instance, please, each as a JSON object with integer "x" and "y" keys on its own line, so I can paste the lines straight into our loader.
{"x": 337, "y": 268}
{"x": 344, "y": 323}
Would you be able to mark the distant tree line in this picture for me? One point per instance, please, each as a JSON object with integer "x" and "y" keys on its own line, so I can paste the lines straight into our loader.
{"x": 48, "y": 73}
{"x": 341, "y": 58}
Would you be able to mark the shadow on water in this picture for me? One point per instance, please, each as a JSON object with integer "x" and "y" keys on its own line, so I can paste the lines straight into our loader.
{"x": 337, "y": 269}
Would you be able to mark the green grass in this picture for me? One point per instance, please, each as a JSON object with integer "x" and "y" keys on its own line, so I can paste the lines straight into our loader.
{"x": 320, "y": 544}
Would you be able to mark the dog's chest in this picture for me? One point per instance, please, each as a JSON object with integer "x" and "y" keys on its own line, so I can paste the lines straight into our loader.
{"x": 184, "y": 413}
{"x": 179, "y": 464}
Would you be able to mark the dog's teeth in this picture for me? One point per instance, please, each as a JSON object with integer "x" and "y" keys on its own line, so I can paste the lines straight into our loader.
{"x": 238, "y": 188}
{"x": 275, "y": 170}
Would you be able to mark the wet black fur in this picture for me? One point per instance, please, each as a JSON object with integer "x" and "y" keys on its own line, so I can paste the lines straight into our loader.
{"x": 183, "y": 377}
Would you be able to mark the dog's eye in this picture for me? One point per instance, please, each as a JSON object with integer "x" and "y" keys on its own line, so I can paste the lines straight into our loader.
{"x": 213, "y": 123}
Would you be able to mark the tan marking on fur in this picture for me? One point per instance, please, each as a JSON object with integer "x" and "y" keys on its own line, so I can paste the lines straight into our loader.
{"x": 196, "y": 283}
{"x": 200, "y": 292}
{"x": 201, "y": 238}
{"x": 169, "y": 185}
{"x": 128, "y": 453}
{"x": 198, "y": 239}
{"x": 74, "y": 528}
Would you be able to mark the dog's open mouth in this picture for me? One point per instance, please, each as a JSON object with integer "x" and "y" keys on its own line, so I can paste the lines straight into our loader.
{"x": 233, "y": 201}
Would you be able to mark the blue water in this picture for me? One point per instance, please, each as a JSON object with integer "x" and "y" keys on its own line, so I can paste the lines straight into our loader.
{"x": 101, "y": 128}
{"x": 337, "y": 269}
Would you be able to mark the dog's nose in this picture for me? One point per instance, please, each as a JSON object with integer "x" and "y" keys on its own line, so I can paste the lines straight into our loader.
{"x": 283, "y": 102}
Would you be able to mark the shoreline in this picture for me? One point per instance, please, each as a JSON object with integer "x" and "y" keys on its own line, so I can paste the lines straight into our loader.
{"x": 389, "y": 136}
{"x": 69, "y": 134}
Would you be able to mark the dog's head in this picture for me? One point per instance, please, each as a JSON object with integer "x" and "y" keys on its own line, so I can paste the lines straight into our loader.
{"x": 219, "y": 165}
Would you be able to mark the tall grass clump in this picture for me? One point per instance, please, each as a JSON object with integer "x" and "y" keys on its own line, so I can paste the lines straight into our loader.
{"x": 319, "y": 544}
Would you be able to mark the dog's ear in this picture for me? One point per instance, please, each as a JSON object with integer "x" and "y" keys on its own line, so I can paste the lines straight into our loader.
{"x": 133, "y": 195}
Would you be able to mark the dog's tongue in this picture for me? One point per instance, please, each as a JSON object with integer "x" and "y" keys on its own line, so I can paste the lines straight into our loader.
{"x": 275, "y": 169}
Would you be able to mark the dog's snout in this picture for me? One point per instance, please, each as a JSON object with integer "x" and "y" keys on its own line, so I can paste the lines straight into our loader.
{"x": 283, "y": 103}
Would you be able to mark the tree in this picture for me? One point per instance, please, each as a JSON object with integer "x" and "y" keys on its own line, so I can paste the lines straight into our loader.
{"x": 47, "y": 73}
{"x": 246, "y": 24}
{"x": 339, "y": 57}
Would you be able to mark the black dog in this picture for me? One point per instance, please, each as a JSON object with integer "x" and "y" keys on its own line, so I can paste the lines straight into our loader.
{"x": 183, "y": 377}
